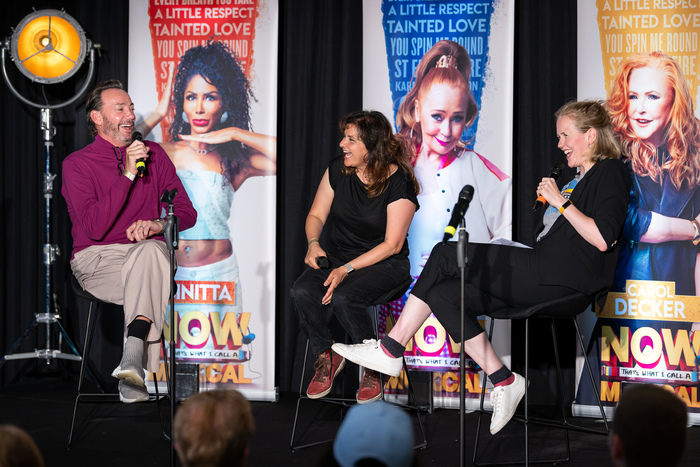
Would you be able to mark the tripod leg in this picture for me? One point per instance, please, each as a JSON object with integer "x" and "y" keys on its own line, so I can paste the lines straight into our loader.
{"x": 8, "y": 354}
{"x": 63, "y": 333}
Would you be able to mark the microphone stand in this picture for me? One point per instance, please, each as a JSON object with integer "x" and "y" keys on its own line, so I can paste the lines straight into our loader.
{"x": 171, "y": 232}
{"x": 462, "y": 262}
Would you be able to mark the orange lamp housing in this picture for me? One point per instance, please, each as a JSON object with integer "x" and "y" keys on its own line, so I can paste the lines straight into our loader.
{"x": 48, "y": 46}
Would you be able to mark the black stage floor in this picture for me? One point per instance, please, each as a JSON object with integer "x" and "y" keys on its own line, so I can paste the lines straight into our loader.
{"x": 112, "y": 434}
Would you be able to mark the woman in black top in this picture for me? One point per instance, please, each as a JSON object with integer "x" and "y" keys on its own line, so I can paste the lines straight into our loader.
{"x": 369, "y": 193}
{"x": 576, "y": 250}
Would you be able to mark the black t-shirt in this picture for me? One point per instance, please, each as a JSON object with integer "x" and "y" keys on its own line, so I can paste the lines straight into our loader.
{"x": 359, "y": 222}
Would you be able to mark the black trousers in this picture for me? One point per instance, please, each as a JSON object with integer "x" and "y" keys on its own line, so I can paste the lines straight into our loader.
{"x": 496, "y": 276}
{"x": 350, "y": 300}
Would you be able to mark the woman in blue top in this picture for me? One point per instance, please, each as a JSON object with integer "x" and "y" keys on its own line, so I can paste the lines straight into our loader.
{"x": 369, "y": 193}
{"x": 214, "y": 152}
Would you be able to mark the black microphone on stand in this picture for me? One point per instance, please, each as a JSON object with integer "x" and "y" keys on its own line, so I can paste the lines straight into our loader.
{"x": 465, "y": 197}
{"x": 554, "y": 173}
{"x": 140, "y": 163}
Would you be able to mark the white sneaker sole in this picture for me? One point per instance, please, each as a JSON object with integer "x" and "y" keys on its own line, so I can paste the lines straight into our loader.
{"x": 135, "y": 393}
{"x": 371, "y": 364}
{"x": 130, "y": 376}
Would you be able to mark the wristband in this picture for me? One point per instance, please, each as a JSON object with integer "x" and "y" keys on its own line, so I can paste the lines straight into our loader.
{"x": 161, "y": 223}
{"x": 313, "y": 240}
{"x": 565, "y": 205}
{"x": 349, "y": 267}
{"x": 129, "y": 175}
{"x": 696, "y": 224}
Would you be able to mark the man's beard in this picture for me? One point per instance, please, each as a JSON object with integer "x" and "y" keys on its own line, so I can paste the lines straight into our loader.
{"x": 112, "y": 131}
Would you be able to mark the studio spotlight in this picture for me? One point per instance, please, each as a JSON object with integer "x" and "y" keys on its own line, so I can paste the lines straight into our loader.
{"x": 48, "y": 46}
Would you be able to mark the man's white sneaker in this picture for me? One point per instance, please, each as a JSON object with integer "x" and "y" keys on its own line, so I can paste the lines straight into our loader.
{"x": 370, "y": 355}
{"x": 130, "y": 393}
{"x": 131, "y": 374}
{"x": 504, "y": 400}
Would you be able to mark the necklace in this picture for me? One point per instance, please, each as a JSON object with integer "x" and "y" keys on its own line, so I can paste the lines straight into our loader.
{"x": 201, "y": 152}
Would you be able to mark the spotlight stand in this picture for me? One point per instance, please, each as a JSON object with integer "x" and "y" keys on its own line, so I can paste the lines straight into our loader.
{"x": 50, "y": 251}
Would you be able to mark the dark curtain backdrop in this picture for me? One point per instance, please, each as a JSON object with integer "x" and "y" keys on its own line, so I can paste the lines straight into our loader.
{"x": 545, "y": 78}
{"x": 320, "y": 80}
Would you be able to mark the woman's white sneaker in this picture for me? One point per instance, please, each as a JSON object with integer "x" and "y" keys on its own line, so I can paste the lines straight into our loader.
{"x": 504, "y": 400}
{"x": 370, "y": 355}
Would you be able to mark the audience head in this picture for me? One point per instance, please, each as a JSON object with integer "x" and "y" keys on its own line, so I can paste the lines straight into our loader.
{"x": 18, "y": 449}
{"x": 649, "y": 428}
{"x": 213, "y": 429}
{"x": 375, "y": 434}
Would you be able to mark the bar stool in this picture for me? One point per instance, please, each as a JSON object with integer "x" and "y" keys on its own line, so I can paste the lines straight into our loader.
{"x": 344, "y": 402}
{"x": 562, "y": 308}
{"x": 102, "y": 397}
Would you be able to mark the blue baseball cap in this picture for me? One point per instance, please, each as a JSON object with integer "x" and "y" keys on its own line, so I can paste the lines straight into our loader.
{"x": 379, "y": 431}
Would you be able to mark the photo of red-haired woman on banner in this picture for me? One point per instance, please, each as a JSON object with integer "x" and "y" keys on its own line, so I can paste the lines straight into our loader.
{"x": 652, "y": 114}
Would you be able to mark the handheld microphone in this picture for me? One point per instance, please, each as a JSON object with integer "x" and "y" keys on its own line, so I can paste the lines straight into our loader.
{"x": 465, "y": 197}
{"x": 140, "y": 163}
{"x": 554, "y": 173}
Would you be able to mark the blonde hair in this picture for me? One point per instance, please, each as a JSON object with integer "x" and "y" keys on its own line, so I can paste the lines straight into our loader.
{"x": 436, "y": 67}
{"x": 682, "y": 132}
{"x": 593, "y": 114}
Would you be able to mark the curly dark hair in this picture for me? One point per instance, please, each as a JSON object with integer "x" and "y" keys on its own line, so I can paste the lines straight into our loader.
{"x": 383, "y": 149}
{"x": 221, "y": 68}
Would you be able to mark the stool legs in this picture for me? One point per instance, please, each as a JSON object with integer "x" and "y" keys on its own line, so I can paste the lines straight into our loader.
{"x": 527, "y": 419}
{"x": 84, "y": 368}
{"x": 412, "y": 405}
{"x": 342, "y": 402}
{"x": 412, "y": 400}
{"x": 83, "y": 364}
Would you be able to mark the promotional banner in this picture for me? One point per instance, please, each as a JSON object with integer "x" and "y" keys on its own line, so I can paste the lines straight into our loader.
{"x": 415, "y": 54}
{"x": 643, "y": 58}
{"x": 203, "y": 79}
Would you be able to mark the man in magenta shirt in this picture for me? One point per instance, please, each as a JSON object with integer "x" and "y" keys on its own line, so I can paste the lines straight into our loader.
{"x": 119, "y": 255}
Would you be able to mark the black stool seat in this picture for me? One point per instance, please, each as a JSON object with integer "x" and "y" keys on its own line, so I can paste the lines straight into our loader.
{"x": 566, "y": 307}
{"x": 562, "y": 308}
{"x": 80, "y": 292}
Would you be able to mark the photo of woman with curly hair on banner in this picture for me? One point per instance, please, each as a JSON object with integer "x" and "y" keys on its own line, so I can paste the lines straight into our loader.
{"x": 214, "y": 151}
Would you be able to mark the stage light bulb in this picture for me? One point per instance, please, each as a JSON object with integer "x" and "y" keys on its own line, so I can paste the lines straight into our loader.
{"x": 48, "y": 46}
